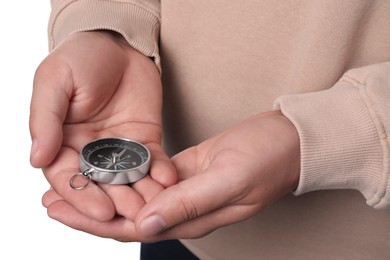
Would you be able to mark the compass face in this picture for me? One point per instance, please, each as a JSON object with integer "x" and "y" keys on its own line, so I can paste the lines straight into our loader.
{"x": 115, "y": 154}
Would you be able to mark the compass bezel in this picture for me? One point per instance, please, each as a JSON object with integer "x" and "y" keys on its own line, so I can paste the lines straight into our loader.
{"x": 115, "y": 176}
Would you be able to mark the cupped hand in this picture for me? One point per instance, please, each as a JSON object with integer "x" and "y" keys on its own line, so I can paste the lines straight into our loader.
{"x": 94, "y": 85}
{"x": 222, "y": 181}
{"x": 226, "y": 179}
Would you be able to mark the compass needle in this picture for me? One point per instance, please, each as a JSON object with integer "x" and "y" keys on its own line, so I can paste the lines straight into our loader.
{"x": 109, "y": 165}
{"x": 122, "y": 152}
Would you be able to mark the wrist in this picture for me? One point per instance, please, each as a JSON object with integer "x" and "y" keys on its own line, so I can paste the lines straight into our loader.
{"x": 292, "y": 144}
{"x": 282, "y": 144}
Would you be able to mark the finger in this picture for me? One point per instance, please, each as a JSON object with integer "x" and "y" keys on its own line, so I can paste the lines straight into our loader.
{"x": 186, "y": 163}
{"x": 126, "y": 200}
{"x": 49, "y": 197}
{"x": 162, "y": 169}
{"x": 91, "y": 201}
{"x": 48, "y": 109}
{"x": 205, "y": 224}
{"x": 123, "y": 229}
{"x": 147, "y": 188}
{"x": 187, "y": 200}
{"x": 118, "y": 228}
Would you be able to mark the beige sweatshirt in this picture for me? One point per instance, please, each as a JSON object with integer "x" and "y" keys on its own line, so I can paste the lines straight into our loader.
{"x": 325, "y": 64}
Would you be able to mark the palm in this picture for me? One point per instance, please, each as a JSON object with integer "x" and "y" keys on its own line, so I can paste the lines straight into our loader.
{"x": 121, "y": 106}
{"x": 94, "y": 86}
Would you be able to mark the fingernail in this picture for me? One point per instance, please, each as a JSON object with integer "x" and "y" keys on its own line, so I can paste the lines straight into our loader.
{"x": 34, "y": 148}
{"x": 152, "y": 226}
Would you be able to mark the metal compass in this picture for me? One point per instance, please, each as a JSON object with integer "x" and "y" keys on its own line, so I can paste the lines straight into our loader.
{"x": 112, "y": 160}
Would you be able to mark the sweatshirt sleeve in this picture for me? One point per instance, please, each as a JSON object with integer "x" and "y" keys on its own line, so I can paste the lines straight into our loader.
{"x": 344, "y": 134}
{"x": 137, "y": 21}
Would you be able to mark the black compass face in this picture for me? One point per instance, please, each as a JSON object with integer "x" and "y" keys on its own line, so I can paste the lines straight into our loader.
{"x": 114, "y": 154}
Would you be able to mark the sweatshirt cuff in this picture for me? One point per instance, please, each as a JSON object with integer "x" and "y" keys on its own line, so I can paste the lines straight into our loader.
{"x": 340, "y": 144}
{"x": 138, "y": 24}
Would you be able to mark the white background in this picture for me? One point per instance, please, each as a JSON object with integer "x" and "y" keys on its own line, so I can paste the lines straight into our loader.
{"x": 26, "y": 231}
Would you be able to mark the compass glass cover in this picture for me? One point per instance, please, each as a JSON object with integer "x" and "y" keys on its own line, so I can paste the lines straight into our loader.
{"x": 115, "y": 154}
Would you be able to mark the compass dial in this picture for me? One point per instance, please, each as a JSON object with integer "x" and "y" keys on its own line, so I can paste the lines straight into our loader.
{"x": 115, "y": 160}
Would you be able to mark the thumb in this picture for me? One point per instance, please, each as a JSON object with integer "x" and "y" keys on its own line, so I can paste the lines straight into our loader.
{"x": 183, "y": 202}
{"x": 48, "y": 109}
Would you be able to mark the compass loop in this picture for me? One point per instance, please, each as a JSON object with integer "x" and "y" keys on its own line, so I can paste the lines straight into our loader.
{"x": 87, "y": 174}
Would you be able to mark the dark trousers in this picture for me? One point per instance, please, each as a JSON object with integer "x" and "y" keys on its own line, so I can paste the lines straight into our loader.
{"x": 166, "y": 250}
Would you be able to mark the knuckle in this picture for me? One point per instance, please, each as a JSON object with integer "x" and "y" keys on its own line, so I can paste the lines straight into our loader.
{"x": 188, "y": 208}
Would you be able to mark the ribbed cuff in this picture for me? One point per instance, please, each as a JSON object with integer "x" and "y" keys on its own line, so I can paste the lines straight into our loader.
{"x": 340, "y": 146}
{"x": 138, "y": 24}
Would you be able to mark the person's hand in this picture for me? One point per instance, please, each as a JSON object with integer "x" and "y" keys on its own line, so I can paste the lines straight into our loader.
{"x": 224, "y": 180}
{"x": 94, "y": 85}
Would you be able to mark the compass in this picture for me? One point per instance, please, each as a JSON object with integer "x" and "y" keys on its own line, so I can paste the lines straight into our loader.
{"x": 114, "y": 161}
